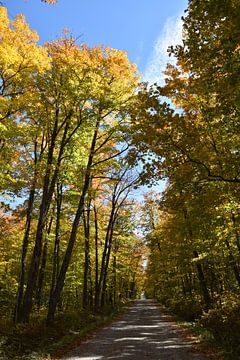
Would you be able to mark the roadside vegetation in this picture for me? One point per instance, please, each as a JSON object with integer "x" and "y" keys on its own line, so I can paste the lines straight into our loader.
{"x": 193, "y": 227}
{"x": 40, "y": 342}
{"x": 80, "y": 133}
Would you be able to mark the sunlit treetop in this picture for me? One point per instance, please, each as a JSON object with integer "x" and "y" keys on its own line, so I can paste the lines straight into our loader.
{"x": 18, "y": 47}
{"x": 50, "y": 2}
{"x": 108, "y": 75}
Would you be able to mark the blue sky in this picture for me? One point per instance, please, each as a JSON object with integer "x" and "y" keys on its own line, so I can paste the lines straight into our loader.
{"x": 143, "y": 28}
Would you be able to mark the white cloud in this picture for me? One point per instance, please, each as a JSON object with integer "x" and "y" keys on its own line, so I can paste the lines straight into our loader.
{"x": 170, "y": 35}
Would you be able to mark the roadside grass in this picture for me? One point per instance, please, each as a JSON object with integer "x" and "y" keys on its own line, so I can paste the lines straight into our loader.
{"x": 35, "y": 341}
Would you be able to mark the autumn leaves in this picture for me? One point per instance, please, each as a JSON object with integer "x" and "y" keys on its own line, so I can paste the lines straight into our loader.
{"x": 197, "y": 146}
{"x": 75, "y": 121}
{"x": 64, "y": 111}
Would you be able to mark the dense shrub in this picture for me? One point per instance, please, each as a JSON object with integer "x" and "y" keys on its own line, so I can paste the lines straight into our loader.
{"x": 186, "y": 308}
{"x": 224, "y": 324}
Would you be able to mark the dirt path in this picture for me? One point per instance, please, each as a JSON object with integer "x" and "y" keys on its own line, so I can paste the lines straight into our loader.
{"x": 141, "y": 334}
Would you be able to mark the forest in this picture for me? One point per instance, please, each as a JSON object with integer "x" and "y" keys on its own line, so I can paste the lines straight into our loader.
{"x": 80, "y": 134}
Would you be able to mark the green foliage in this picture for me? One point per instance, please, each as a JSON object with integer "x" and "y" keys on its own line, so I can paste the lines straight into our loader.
{"x": 194, "y": 243}
{"x": 36, "y": 341}
{"x": 68, "y": 113}
{"x": 63, "y": 147}
{"x": 224, "y": 324}
{"x": 186, "y": 308}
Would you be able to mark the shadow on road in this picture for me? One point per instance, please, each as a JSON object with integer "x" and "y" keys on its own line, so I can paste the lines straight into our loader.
{"x": 142, "y": 334}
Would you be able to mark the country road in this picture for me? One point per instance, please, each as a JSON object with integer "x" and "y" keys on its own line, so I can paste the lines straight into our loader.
{"x": 143, "y": 333}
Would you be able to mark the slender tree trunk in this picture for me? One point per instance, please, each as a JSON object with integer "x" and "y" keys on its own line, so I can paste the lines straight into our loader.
{"x": 104, "y": 256}
{"x": 203, "y": 283}
{"x": 43, "y": 265}
{"x": 48, "y": 190}
{"x": 96, "y": 293}
{"x": 41, "y": 273}
{"x": 233, "y": 263}
{"x": 237, "y": 234}
{"x": 115, "y": 249}
{"x": 19, "y": 297}
{"x": 108, "y": 238}
{"x": 200, "y": 273}
{"x": 33, "y": 271}
{"x": 114, "y": 280}
{"x": 53, "y": 301}
{"x": 188, "y": 283}
{"x": 105, "y": 272}
{"x": 91, "y": 289}
{"x": 86, "y": 223}
{"x": 55, "y": 272}
{"x": 184, "y": 287}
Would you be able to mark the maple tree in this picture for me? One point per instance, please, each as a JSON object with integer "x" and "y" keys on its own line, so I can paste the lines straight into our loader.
{"x": 79, "y": 132}
{"x": 77, "y": 108}
{"x": 21, "y": 58}
{"x": 64, "y": 112}
{"x": 194, "y": 246}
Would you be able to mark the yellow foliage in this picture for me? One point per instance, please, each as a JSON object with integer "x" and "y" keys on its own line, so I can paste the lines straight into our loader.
{"x": 20, "y": 58}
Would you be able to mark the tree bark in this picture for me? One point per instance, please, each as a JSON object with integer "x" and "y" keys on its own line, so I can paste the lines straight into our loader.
{"x": 53, "y": 301}
{"x": 105, "y": 272}
{"x": 56, "y": 259}
{"x": 25, "y": 242}
{"x": 96, "y": 293}
{"x": 233, "y": 263}
{"x": 237, "y": 234}
{"x": 203, "y": 283}
{"x": 19, "y": 297}
{"x": 104, "y": 257}
{"x": 114, "y": 280}
{"x": 200, "y": 273}
{"x": 48, "y": 190}
{"x": 86, "y": 223}
{"x": 43, "y": 264}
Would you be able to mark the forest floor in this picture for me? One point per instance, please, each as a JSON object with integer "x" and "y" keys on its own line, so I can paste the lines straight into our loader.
{"x": 36, "y": 341}
{"x": 142, "y": 333}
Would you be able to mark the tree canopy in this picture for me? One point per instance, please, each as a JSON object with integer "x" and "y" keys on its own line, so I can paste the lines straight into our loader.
{"x": 80, "y": 133}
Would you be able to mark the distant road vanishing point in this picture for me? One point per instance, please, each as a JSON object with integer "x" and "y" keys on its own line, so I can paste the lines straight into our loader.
{"x": 142, "y": 333}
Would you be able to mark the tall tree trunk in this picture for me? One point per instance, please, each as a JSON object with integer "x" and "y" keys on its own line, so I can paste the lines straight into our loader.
{"x": 96, "y": 292}
{"x": 233, "y": 263}
{"x": 53, "y": 301}
{"x": 91, "y": 290}
{"x": 25, "y": 242}
{"x": 48, "y": 190}
{"x": 105, "y": 272}
{"x": 55, "y": 296}
{"x": 237, "y": 234}
{"x": 43, "y": 264}
{"x": 203, "y": 283}
{"x": 19, "y": 297}
{"x": 200, "y": 273}
{"x": 115, "y": 206}
{"x": 114, "y": 280}
{"x": 59, "y": 196}
{"x": 104, "y": 256}
{"x": 86, "y": 223}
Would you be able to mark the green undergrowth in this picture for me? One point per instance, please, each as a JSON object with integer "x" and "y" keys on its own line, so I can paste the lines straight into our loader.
{"x": 218, "y": 329}
{"x": 35, "y": 341}
{"x": 207, "y": 342}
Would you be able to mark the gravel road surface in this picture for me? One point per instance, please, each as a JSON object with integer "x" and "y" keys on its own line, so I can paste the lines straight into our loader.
{"x": 143, "y": 333}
